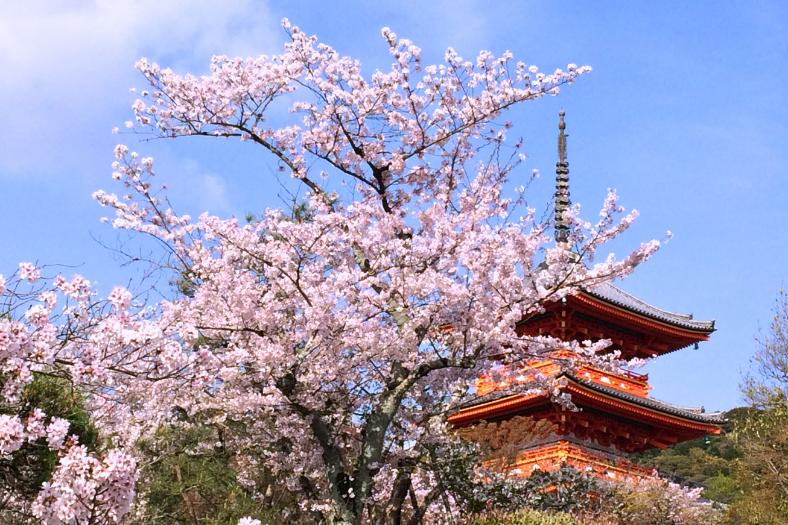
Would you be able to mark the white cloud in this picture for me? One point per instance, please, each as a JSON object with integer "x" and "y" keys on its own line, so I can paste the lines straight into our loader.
{"x": 67, "y": 66}
{"x": 463, "y": 24}
{"x": 197, "y": 189}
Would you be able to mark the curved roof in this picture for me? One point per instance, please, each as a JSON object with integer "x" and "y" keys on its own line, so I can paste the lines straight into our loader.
{"x": 618, "y": 297}
{"x": 692, "y": 414}
{"x": 695, "y": 414}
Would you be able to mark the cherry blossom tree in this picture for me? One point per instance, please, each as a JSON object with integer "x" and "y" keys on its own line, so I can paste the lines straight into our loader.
{"x": 37, "y": 339}
{"x": 327, "y": 341}
{"x": 654, "y": 500}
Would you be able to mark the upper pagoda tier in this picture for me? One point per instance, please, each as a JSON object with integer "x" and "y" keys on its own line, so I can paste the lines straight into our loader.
{"x": 635, "y": 327}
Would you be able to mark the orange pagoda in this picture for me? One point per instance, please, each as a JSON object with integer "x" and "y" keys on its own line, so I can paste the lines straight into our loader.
{"x": 615, "y": 414}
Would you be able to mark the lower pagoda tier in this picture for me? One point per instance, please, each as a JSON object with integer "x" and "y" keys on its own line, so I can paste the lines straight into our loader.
{"x": 605, "y": 423}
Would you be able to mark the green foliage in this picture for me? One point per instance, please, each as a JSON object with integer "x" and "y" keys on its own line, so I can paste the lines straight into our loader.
{"x": 525, "y": 517}
{"x": 455, "y": 463}
{"x": 748, "y": 466}
{"x": 762, "y": 470}
{"x": 761, "y": 435}
{"x": 708, "y": 462}
{"x": 722, "y": 488}
{"x": 57, "y": 398}
{"x": 188, "y": 479}
{"x": 24, "y": 471}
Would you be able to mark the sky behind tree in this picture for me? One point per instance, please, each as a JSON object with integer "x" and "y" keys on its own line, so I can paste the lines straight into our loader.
{"x": 685, "y": 114}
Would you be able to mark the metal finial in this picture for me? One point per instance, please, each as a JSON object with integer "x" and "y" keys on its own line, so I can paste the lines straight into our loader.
{"x": 561, "y": 137}
{"x": 562, "y": 201}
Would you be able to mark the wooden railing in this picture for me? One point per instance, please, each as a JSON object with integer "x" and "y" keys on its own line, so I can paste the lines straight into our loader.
{"x": 507, "y": 376}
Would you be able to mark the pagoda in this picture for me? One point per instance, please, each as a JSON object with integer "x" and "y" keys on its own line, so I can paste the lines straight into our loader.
{"x": 614, "y": 413}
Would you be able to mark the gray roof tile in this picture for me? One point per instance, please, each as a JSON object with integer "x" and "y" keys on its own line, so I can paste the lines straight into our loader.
{"x": 616, "y": 296}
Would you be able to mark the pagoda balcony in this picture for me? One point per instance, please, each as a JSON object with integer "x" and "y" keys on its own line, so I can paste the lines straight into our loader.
{"x": 506, "y": 377}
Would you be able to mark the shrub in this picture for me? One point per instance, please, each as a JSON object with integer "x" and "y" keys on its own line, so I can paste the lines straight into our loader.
{"x": 525, "y": 517}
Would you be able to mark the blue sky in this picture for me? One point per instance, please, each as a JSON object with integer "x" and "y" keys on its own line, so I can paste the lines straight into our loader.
{"x": 685, "y": 114}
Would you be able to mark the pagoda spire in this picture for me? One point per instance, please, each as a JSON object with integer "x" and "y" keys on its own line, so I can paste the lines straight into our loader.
{"x": 562, "y": 201}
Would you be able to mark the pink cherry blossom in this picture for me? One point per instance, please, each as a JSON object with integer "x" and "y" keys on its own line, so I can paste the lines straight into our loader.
{"x": 56, "y": 433}
{"x": 29, "y": 272}
{"x": 12, "y": 434}
{"x": 120, "y": 298}
{"x": 35, "y": 425}
{"x": 84, "y": 489}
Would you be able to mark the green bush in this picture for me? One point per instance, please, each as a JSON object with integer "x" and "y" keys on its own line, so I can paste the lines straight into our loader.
{"x": 525, "y": 517}
{"x": 23, "y": 472}
{"x": 184, "y": 481}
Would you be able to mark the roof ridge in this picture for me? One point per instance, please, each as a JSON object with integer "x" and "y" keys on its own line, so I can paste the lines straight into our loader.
{"x": 641, "y": 301}
{"x": 612, "y": 294}
{"x": 689, "y": 413}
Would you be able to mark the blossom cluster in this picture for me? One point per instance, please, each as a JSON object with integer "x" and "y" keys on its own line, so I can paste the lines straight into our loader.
{"x": 85, "y": 489}
{"x": 655, "y": 500}
{"x": 14, "y": 431}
